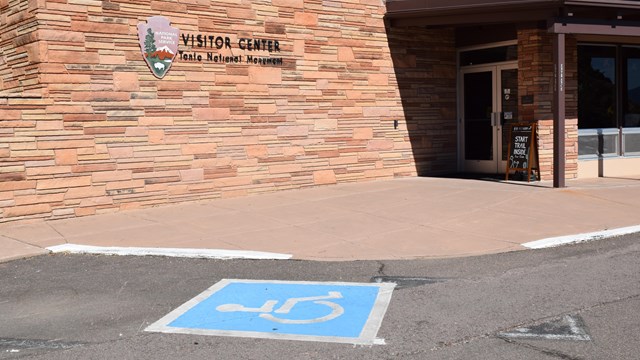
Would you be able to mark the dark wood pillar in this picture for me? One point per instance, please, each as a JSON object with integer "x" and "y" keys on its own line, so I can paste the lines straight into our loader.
{"x": 559, "y": 151}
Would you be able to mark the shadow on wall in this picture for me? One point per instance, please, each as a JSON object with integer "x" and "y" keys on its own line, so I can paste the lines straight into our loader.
{"x": 424, "y": 62}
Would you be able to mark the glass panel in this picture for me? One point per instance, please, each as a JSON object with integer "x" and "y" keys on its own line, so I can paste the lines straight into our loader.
{"x": 600, "y": 142}
{"x": 478, "y": 106}
{"x": 509, "y": 93}
{"x": 487, "y": 56}
{"x": 631, "y": 140}
{"x": 596, "y": 87}
{"x": 632, "y": 91}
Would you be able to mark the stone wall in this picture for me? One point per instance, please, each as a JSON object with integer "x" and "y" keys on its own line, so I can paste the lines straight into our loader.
{"x": 536, "y": 79}
{"x": 104, "y": 134}
{"x": 19, "y": 49}
{"x": 545, "y": 148}
{"x": 425, "y": 66}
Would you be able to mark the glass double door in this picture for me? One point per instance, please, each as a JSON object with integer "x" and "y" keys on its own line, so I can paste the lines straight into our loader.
{"x": 489, "y": 105}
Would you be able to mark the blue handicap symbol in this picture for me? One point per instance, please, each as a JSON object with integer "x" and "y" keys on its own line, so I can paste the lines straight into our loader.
{"x": 342, "y": 312}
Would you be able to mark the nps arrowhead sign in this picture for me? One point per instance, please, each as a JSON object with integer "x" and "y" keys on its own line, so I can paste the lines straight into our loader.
{"x": 159, "y": 44}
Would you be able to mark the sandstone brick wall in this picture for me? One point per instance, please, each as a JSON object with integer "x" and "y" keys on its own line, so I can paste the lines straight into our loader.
{"x": 19, "y": 49}
{"x": 536, "y": 78}
{"x": 104, "y": 134}
{"x": 426, "y": 70}
{"x": 545, "y": 148}
{"x": 536, "y": 74}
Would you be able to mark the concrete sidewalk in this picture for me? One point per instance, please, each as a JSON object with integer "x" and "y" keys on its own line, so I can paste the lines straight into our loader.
{"x": 396, "y": 219}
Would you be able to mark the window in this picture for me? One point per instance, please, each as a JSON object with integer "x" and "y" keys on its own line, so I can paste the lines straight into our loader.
{"x": 608, "y": 100}
{"x": 596, "y": 87}
{"x": 489, "y": 55}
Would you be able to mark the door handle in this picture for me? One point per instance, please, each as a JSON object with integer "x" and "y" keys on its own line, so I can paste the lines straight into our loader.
{"x": 495, "y": 119}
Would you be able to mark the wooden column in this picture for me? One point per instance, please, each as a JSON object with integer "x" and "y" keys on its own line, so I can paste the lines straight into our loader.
{"x": 559, "y": 151}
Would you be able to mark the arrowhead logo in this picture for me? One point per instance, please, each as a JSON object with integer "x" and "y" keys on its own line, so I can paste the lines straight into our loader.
{"x": 159, "y": 44}
{"x": 569, "y": 327}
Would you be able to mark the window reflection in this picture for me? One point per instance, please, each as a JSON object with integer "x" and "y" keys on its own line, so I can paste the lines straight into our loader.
{"x": 632, "y": 94}
{"x": 596, "y": 87}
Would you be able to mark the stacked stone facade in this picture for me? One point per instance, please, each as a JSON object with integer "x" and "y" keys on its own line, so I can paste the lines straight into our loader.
{"x": 425, "y": 67}
{"x": 536, "y": 78}
{"x": 86, "y": 128}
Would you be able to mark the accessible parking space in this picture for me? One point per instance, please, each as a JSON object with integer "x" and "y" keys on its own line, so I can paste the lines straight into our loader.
{"x": 292, "y": 310}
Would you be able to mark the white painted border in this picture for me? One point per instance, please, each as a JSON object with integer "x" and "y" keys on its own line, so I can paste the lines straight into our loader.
{"x": 569, "y": 239}
{"x": 169, "y": 252}
{"x": 367, "y": 336}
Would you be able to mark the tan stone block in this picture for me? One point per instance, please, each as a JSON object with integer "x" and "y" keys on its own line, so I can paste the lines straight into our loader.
{"x": 284, "y": 169}
{"x": 64, "y": 182}
{"x": 121, "y": 152}
{"x": 49, "y": 125}
{"x": 352, "y": 110}
{"x": 72, "y": 57}
{"x": 39, "y": 199}
{"x": 168, "y": 6}
{"x": 156, "y": 121}
{"x": 324, "y": 177}
{"x": 130, "y": 184}
{"x": 192, "y": 175}
{"x": 293, "y": 151}
{"x": 300, "y": 130}
{"x": 209, "y": 114}
{"x": 47, "y": 170}
{"x": 90, "y": 168}
{"x": 109, "y": 176}
{"x": 89, "y": 27}
{"x": 363, "y": 133}
{"x": 345, "y": 54}
{"x": 199, "y": 148}
{"x": 257, "y": 151}
{"x": 126, "y": 81}
{"x": 375, "y": 111}
{"x": 61, "y": 35}
{"x": 156, "y": 136}
{"x": 379, "y": 144}
{"x": 305, "y": 19}
{"x": 325, "y": 124}
{"x": 69, "y": 109}
{"x": 252, "y": 88}
{"x": 237, "y": 13}
{"x": 267, "y": 108}
{"x": 85, "y": 211}
{"x": 299, "y": 4}
{"x": 98, "y": 200}
{"x": 84, "y": 117}
{"x": 65, "y": 144}
{"x": 265, "y": 75}
{"x": 27, "y": 210}
{"x": 298, "y": 48}
{"x": 378, "y": 79}
{"x": 84, "y": 192}
{"x": 17, "y": 185}
{"x": 10, "y": 114}
{"x": 101, "y": 96}
{"x": 203, "y": 76}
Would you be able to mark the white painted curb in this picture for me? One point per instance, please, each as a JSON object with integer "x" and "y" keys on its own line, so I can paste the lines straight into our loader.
{"x": 570, "y": 239}
{"x": 169, "y": 252}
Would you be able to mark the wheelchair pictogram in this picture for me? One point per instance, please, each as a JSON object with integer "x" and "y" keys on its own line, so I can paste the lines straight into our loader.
{"x": 268, "y": 307}
{"x": 293, "y": 310}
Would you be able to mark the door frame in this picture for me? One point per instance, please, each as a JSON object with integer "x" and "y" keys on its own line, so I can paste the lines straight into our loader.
{"x": 497, "y": 164}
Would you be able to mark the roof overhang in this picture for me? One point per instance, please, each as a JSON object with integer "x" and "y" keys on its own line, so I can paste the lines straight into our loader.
{"x": 476, "y": 12}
